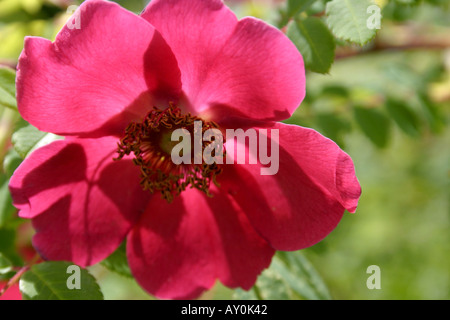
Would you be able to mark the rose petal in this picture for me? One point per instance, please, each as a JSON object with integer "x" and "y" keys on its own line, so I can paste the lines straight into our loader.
{"x": 81, "y": 201}
{"x": 243, "y": 68}
{"x": 306, "y": 198}
{"x": 111, "y": 70}
{"x": 179, "y": 249}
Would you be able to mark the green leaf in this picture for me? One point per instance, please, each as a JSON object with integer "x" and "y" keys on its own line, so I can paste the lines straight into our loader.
{"x": 333, "y": 126}
{"x": 7, "y": 246}
{"x": 290, "y": 276}
{"x": 117, "y": 262}
{"x": 5, "y": 264}
{"x": 6, "y": 208}
{"x": 135, "y": 6}
{"x": 349, "y": 20}
{"x": 8, "y": 88}
{"x": 11, "y": 162}
{"x": 335, "y": 90}
{"x": 315, "y": 41}
{"x": 50, "y": 281}
{"x": 294, "y": 7}
{"x": 432, "y": 113}
{"x": 374, "y": 124}
{"x": 405, "y": 118}
{"x": 29, "y": 138}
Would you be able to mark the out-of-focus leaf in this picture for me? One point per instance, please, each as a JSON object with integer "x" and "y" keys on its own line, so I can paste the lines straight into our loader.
{"x": 408, "y": 2}
{"x": 49, "y": 281}
{"x": 11, "y": 162}
{"x": 135, "y": 6}
{"x": 290, "y": 276}
{"x": 117, "y": 262}
{"x": 315, "y": 41}
{"x": 293, "y": 8}
{"x": 7, "y": 246}
{"x": 335, "y": 90}
{"x": 405, "y": 118}
{"x": 29, "y": 138}
{"x": 27, "y": 10}
{"x": 374, "y": 124}
{"x": 348, "y": 19}
{"x": 432, "y": 114}
{"x": 8, "y": 88}
{"x": 5, "y": 264}
{"x": 403, "y": 74}
{"x": 333, "y": 126}
{"x": 6, "y": 208}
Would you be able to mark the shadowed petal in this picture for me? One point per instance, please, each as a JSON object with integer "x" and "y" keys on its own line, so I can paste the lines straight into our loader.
{"x": 82, "y": 202}
{"x": 178, "y": 250}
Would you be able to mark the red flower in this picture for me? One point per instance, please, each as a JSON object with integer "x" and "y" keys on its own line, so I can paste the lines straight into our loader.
{"x": 97, "y": 85}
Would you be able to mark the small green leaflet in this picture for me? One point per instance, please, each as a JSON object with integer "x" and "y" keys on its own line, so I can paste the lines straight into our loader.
{"x": 117, "y": 262}
{"x": 314, "y": 41}
{"x": 433, "y": 114}
{"x": 11, "y": 161}
{"x": 290, "y": 276}
{"x": 298, "y": 6}
{"x": 6, "y": 208}
{"x": 8, "y": 88}
{"x": 29, "y": 138}
{"x": 352, "y": 20}
{"x": 8, "y": 246}
{"x": 5, "y": 264}
{"x": 294, "y": 8}
{"x": 333, "y": 126}
{"x": 374, "y": 124}
{"x": 52, "y": 281}
{"x": 405, "y": 118}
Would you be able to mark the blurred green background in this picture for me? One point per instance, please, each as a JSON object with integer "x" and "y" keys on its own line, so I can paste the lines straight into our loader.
{"x": 386, "y": 104}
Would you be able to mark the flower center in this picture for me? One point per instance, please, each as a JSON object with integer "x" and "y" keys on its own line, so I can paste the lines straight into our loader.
{"x": 151, "y": 144}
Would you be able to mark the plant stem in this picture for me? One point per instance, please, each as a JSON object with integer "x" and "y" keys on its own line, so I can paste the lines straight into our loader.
{"x": 19, "y": 274}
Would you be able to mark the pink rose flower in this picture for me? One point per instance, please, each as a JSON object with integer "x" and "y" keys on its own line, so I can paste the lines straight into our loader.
{"x": 96, "y": 85}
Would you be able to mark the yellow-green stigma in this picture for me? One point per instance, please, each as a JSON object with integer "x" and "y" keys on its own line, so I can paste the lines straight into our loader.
{"x": 150, "y": 141}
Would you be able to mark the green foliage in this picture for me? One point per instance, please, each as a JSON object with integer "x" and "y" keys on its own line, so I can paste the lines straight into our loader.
{"x": 290, "y": 276}
{"x": 8, "y": 249}
{"x": 7, "y": 88}
{"x": 293, "y": 8}
{"x": 27, "y": 10}
{"x": 117, "y": 262}
{"x": 6, "y": 208}
{"x": 404, "y": 117}
{"x": 374, "y": 124}
{"x": 334, "y": 126}
{"x": 5, "y": 264}
{"x": 348, "y": 20}
{"x": 432, "y": 114}
{"x": 49, "y": 281}
{"x": 314, "y": 41}
{"x": 11, "y": 162}
{"x": 29, "y": 138}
